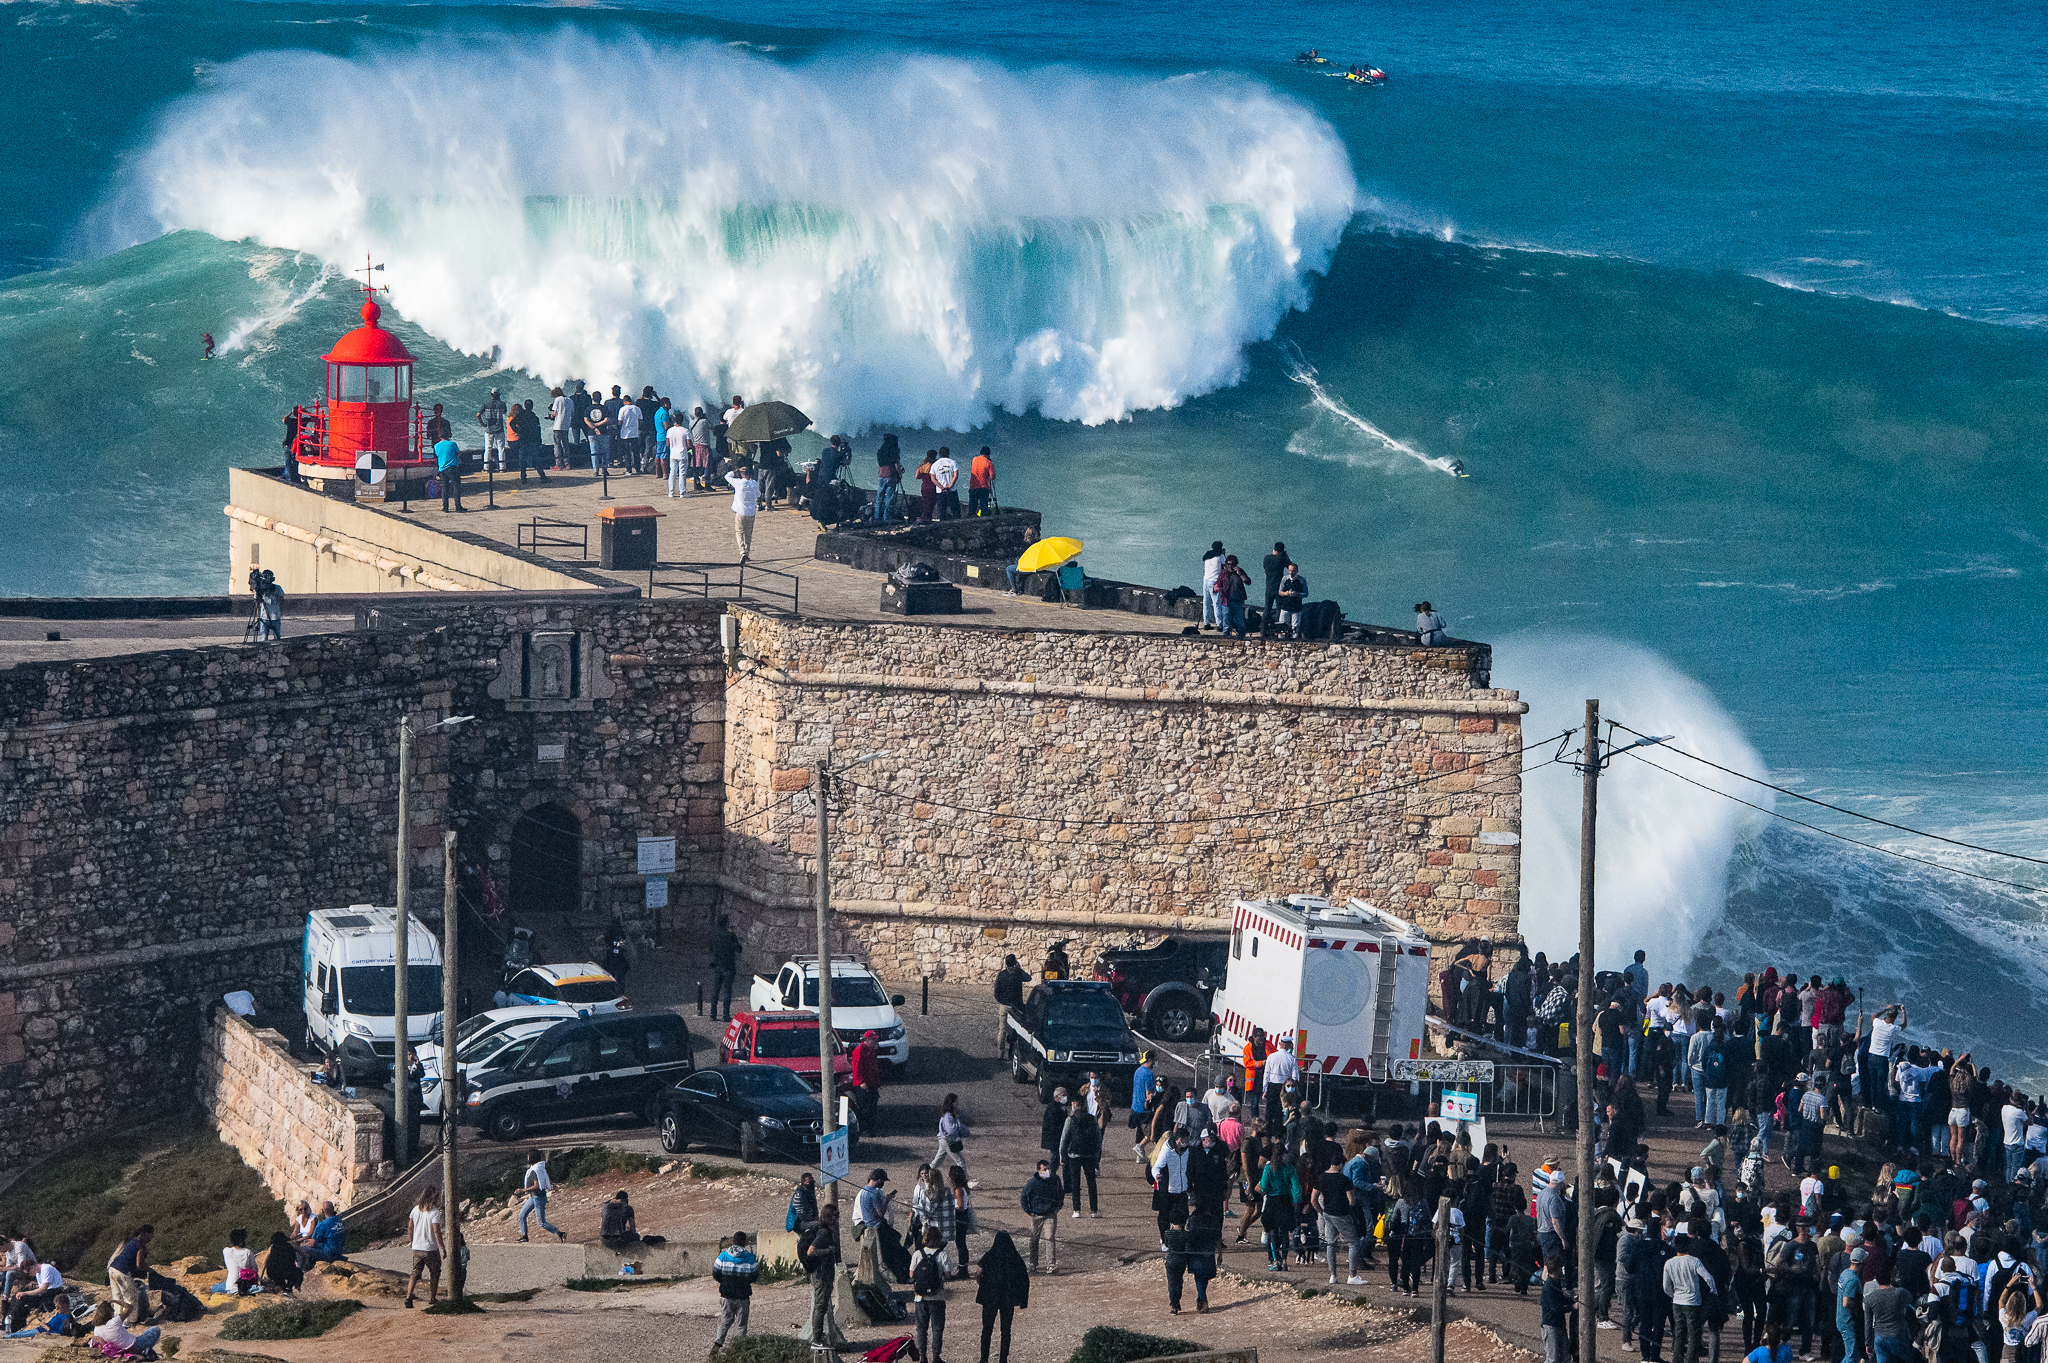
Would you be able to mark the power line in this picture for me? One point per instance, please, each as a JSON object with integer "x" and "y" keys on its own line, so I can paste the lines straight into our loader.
{"x": 1852, "y": 813}
{"x": 1066, "y": 819}
{"x": 1829, "y": 832}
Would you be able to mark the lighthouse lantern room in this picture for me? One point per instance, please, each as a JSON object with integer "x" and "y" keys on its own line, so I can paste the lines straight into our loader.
{"x": 366, "y": 431}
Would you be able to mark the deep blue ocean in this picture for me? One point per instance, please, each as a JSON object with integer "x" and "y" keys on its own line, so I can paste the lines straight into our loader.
{"x": 1736, "y": 315}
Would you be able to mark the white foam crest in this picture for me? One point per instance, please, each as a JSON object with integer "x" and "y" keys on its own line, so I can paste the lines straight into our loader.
{"x": 1664, "y": 846}
{"x": 1304, "y": 373}
{"x": 878, "y": 238}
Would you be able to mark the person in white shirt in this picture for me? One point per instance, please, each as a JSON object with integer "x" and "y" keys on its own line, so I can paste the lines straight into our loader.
{"x": 426, "y": 1243}
{"x": 537, "y": 1186}
{"x": 678, "y": 459}
{"x": 240, "y": 1278}
{"x": 112, "y": 1327}
{"x": 746, "y": 500}
{"x": 563, "y": 413}
{"x": 945, "y": 474}
{"x": 1281, "y": 1070}
{"x": 2013, "y": 1118}
{"x": 1212, "y": 565}
{"x": 629, "y": 435}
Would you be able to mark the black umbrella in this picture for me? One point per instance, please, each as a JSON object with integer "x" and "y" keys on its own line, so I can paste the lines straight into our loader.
{"x": 765, "y": 421}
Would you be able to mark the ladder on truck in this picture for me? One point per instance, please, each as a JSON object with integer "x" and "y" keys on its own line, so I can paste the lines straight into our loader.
{"x": 1383, "y": 1011}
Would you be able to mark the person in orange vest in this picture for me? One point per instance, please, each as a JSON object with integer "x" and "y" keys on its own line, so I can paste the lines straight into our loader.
{"x": 1254, "y": 1063}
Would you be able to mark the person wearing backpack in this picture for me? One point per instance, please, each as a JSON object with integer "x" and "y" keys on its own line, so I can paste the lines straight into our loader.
{"x": 929, "y": 1270}
{"x": 817, "y": 1250}
{"x": 1713, "y": 1075}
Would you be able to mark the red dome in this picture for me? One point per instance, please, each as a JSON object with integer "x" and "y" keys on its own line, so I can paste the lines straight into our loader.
{"x": 369, "y": 343}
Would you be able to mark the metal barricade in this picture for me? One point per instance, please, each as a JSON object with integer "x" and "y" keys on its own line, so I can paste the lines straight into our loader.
{"x": 1526, "y": 1092}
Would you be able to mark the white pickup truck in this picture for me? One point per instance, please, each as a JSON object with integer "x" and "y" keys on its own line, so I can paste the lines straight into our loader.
{"x": 859, "y": 1003}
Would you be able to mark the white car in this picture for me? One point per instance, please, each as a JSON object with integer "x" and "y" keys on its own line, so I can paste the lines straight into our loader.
{"x": 480, "y": 1040}
{"x": 859, "y": 1003}
{"x": 585, "y": 985}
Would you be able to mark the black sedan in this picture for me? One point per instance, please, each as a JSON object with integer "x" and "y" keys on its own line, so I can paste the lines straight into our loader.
{"x": 760, "y": 1110}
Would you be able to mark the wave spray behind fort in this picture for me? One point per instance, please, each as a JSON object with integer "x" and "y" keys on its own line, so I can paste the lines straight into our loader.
{"x": 944, "y": 237}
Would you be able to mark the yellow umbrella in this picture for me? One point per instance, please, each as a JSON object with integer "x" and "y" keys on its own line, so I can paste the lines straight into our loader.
{"x": 1048, "y": 554}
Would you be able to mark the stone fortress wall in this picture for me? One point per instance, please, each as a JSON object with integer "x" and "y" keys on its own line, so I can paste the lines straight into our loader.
{"x": 1032, "y": 786}
{"x": 167, "y": 818}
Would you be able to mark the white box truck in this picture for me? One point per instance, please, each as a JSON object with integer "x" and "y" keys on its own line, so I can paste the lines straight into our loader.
{"x": 1350, "y": 983}
{"x": 350, "y": 980}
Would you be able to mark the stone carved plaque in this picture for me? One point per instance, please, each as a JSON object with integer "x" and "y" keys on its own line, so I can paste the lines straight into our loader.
{"x": 551, "y": 670}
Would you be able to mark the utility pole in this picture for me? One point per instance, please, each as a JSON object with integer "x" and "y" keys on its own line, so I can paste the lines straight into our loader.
{"x": 1438, "y": 1303}
{"x": 451, "y": 1078}
{"x": 401, "y": 922}
{"x": 1582, "y": 1047}
{"x": 821, "y": 785}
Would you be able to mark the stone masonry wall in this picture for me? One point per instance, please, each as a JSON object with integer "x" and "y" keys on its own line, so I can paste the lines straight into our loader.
{"x": 1030, "y": 786}
{"x": 304, "y": 1139}
{"x": 167, "y": 818}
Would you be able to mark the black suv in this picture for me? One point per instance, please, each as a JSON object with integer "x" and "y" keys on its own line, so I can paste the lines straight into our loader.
{"x": 1167, "y": 986}
{"x": 580, "y": 1069}
{"x": 1067, "y": 1028}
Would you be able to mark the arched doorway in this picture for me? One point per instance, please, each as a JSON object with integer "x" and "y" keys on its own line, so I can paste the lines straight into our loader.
{"x": 547, "y": 870}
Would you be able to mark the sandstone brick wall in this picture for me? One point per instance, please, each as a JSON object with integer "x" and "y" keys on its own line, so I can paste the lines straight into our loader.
{"x": 1051, "y": 784}
{"x": 305, "y": 1140}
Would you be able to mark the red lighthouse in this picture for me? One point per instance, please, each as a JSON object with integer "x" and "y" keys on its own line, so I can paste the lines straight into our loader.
{"x": 366, "y": 430}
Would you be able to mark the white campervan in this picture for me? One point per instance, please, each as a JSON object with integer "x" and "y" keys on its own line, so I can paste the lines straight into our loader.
{"x": 1349, "y": 982}
{"x": 349, "y": 986}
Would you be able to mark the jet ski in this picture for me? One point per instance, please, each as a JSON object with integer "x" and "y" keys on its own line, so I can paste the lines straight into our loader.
{"x": 1366, "y": 75}
{"x": 1311, "y": 58}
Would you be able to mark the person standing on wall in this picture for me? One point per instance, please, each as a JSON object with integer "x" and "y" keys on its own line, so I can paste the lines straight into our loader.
{"x": 491, "y": 416}
{"x": 927, "y": 489}
{"x": 1212, "y": 568}
{"x": 946, "y": 477}
{"x": 1288, "y": 602}
{"x": 1232, "y": 583}
{"x": 448, "y": 457}
{"x": 888, "y": 478}
{"x": 981, "y": 479}
{"x": 725, "y": 964}
{"x": 1275, "y": 565}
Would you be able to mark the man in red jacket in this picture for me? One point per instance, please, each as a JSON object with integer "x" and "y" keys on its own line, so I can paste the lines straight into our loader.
{"x": 867, "y": 1077}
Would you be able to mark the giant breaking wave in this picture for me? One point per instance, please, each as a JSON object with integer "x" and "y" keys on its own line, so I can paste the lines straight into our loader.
{"x": 878, "y": 237}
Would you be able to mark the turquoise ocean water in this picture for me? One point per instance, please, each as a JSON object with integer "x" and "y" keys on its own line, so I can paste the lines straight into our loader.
{"x": 1736, "y": 315}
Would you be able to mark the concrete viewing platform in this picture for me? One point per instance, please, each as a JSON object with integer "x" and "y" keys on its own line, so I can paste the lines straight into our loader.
{"x": 696, "y": 543}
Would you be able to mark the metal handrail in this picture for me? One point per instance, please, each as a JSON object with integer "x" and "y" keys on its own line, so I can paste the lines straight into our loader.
{"x": 533, "y": 540}
{"x": 718, "y": 589}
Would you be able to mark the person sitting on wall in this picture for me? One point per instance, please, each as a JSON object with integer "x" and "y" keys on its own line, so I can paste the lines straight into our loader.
{"x": 330, "y": 1240}
{"x": 619, "y": 1228}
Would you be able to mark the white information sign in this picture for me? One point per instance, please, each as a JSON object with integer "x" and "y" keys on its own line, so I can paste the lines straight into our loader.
{"x": 657, "y": 856}
{"x": 832, "y": 1158}
{"x": 1458, "y": 1107}
{"x": 657, "y": 892}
